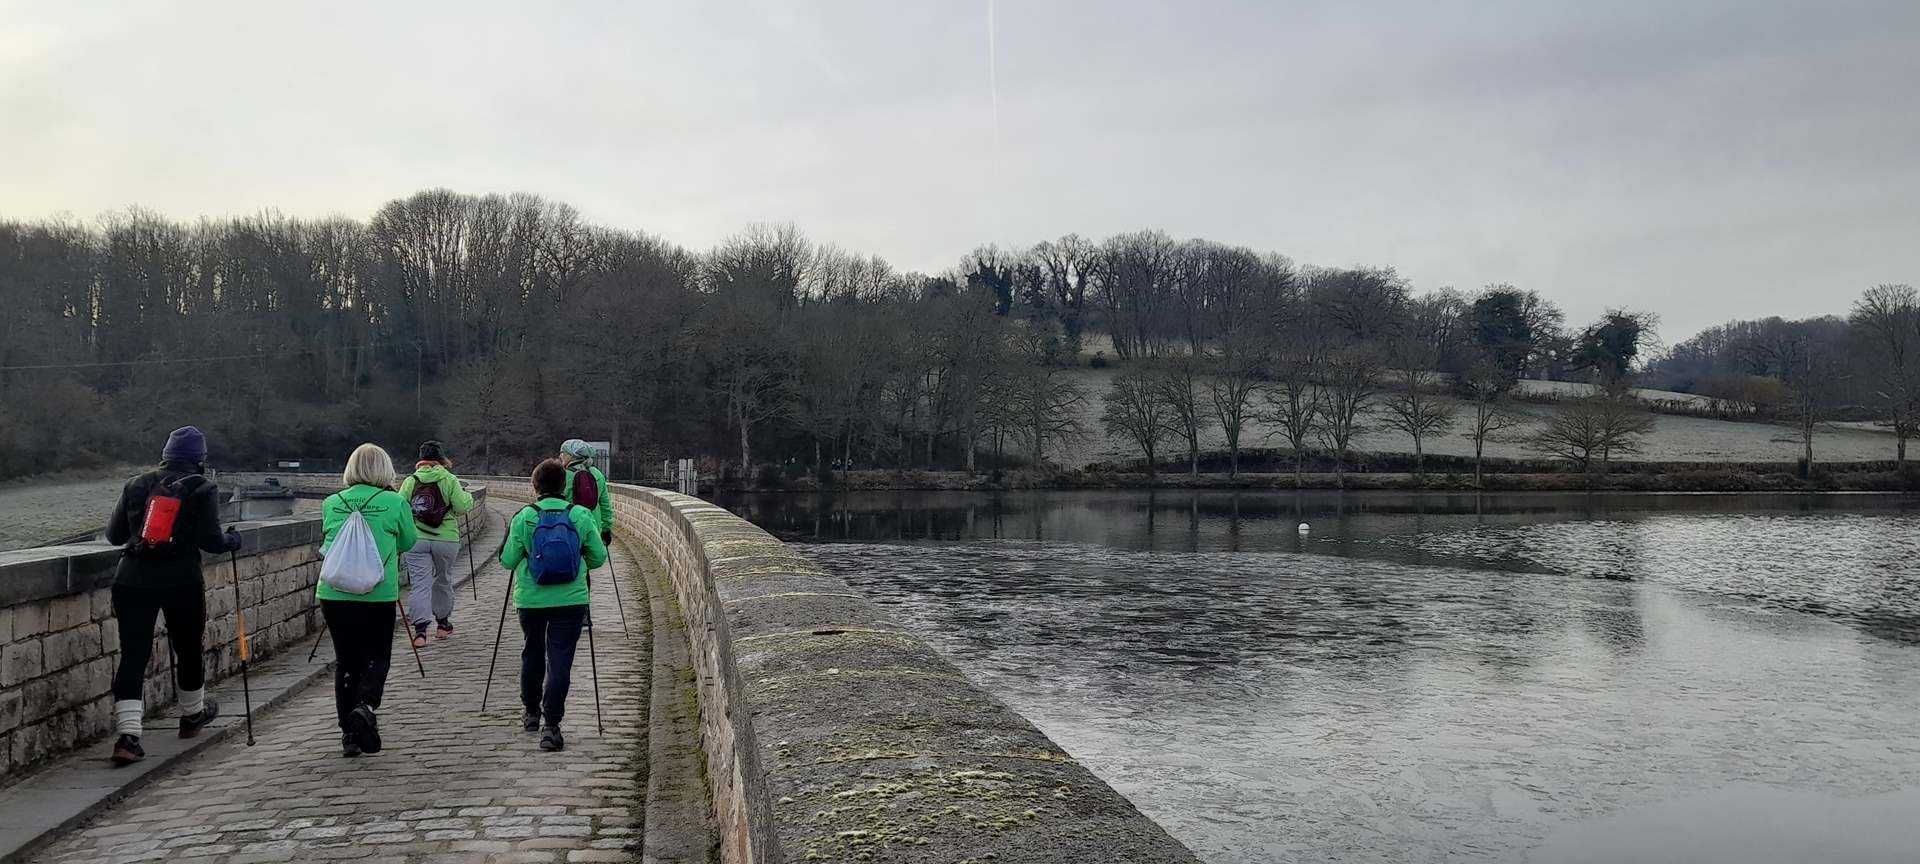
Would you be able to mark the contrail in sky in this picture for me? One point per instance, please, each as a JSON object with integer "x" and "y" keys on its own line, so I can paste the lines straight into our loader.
{"x": 993, "y": 70}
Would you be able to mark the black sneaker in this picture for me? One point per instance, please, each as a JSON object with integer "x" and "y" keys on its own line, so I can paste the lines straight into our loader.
{"x": 529, "y": 720}
{"x": 364, "y": 729}
{"x": 191, "y": 724}
{"x": 551, "y": 740}
{"x": 348, "y": 746}
{"x": 127, "y": 751}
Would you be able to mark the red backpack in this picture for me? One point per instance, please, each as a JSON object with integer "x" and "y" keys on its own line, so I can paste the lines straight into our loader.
{"x": 163, "y": 511}
{"x": 586, "y": 490}
{"x": 430, "y": 507}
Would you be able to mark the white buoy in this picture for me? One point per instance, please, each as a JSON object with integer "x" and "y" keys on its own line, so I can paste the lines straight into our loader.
{"x": 1304, "y": 529}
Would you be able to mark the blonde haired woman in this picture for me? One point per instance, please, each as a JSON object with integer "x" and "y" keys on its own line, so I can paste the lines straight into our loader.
{"x": 362, "y": 624}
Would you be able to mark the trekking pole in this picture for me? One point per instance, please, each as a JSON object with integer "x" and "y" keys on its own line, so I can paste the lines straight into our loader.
{"x": 240, "y": 639}
{"x": 593, "y": 662}
{"x": 316, "y": 640}
{"x": 409, "y": 622}
{"x": 497, "y": 631}
{"x": 617, "y": 604}
{"x": 473, "y": 573}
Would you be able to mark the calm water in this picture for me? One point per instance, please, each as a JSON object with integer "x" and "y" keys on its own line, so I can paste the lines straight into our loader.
{"x": 1433, "y": 678}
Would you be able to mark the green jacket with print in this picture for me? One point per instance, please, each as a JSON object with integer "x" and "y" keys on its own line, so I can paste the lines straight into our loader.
{"x": 392, "y": 522}
{"x": 526, "y": 593}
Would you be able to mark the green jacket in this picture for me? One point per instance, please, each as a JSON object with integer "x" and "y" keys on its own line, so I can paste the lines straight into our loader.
{"x": 392, "y": 522}
{"x": 603, "y": 514}
{"x": 450, "y": 489}
{"x": 526, "y": 593}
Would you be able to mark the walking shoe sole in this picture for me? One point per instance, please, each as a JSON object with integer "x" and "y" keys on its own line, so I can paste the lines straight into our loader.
{"x": 360, "y": 724}
{"x": 442, "y": 634}
{"x": 123, "y": 758}
{"x": 419, "y": 641}
{"x": 189, "y": 730}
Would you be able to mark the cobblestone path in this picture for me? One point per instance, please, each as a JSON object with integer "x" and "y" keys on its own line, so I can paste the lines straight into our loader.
{"x": 451, "y": 784}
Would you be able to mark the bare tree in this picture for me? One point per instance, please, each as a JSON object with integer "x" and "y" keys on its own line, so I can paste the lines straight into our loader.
{"x": 1230, "y": 394}
{"x": 1178, "y": 388}
{"x": 1044, "y": 402}
{"x": 1487, "y": 385}
{"x": 1293, "y": 404}
{"x": 1414, "y": 407}
{"x": 1887, "y": 317}
{"x": 1590, "y": 431}
{"x": 1136, "y": 412}
{"x": 1352, "y": 382}
{"x": 1811, "y": 379}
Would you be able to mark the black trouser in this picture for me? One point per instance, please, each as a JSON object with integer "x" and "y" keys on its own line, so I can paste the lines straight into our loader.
{"x": 362, "y": 651}
{"x": 137, "y": 607}
{"x": 548, "y": 653}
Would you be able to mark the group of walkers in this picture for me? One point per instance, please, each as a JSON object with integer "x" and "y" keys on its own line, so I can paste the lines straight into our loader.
{"x": 379, "y": 522}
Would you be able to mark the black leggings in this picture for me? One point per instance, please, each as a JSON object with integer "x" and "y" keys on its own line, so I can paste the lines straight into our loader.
{"x": 137, "y": 607}
{"x": 551, "y": 636}
{"x": 362, "y": 651}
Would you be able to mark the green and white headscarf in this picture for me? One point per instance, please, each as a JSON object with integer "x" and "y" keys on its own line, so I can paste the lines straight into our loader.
{"x": 580, "y": 450}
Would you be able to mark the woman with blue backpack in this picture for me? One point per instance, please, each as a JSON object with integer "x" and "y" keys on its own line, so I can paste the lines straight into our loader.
{"x": 550, "y": 547}
{"x": 368, "y": 525}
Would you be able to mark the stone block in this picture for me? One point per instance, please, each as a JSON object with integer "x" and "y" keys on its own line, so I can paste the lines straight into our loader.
{"x": 102, "y": 604}
{"x": 68, "y": 612}
{"x": 29, "y": 619}
{"x": 100, "y": 675}
{"x": 20, "y": 660}
{"x": 95, "y": 718}
{"x": 10, "y": 708}
{"x": 6, "y": 625}
{"x": 68, "y": 648}
{"x": 109, "y": 636}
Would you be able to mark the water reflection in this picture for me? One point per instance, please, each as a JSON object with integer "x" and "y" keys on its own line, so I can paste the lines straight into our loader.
{"x": 1267, "y": 705}
{"x": 1842, "y": 555}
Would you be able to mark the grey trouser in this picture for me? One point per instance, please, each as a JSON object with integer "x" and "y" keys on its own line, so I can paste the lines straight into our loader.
{"x": 430, "y": 580}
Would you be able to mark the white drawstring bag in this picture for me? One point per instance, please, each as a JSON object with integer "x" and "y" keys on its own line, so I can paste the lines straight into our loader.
{"x": 353, "y": 564}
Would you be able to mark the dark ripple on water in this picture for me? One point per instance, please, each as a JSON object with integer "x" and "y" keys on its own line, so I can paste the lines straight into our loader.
{"x": 1270, "y": 706}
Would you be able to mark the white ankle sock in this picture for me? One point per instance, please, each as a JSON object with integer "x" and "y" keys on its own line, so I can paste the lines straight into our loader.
{"x": 126, "y": 716}
{"x": 191, "y": 701}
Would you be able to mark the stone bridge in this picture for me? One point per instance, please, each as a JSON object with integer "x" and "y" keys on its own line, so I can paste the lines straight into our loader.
{"x": 753, "y": 708}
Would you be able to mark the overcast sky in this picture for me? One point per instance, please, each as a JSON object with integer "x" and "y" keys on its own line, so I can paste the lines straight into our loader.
{"x": 1704, "y": 160}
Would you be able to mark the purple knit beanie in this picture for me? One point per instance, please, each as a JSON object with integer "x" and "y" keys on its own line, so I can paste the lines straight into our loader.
{"x": 185, "y": 444}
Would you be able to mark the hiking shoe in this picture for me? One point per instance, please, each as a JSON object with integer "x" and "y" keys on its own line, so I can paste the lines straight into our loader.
{"x": 551, "y": 740}
{"x": 364, "y": 729}
{"x": 191, "y": 724}
{"x": 444, "y": 630}
{"x": 529, "y": 720}
{"x": 420, "y": 637}
{"x": 127, "y": 751}
{"x": 348, "y": 746}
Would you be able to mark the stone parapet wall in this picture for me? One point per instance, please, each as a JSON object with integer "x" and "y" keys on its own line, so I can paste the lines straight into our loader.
{"x": 60, "y": 642}
{"x": 831, "y": 733}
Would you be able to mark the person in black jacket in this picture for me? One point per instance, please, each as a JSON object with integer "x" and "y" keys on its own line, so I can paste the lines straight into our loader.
{"x": 162, "y": 577}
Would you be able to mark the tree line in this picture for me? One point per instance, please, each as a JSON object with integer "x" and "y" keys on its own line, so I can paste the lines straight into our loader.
{"x": 504, "y": 323}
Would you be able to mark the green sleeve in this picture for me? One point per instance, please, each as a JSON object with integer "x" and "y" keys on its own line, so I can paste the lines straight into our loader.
{"x": 408, "y": 534}
{"x": 333, "y": 514}
{"x": 457, "y": 495}
{"x": 406, "y": 489}
{"x": 593, "y": 553}
{"x": 514, "y": 551}
{"x": 606, "y": 502}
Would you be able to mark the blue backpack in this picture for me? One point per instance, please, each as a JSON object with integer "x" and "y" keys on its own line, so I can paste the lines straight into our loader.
{"x": 553, "y": 557}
